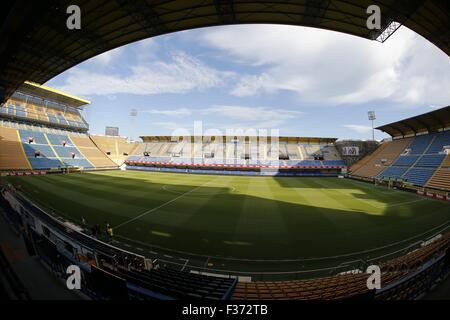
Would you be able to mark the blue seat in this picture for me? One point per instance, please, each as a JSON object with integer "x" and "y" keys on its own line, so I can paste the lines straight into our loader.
{"x": 420, "y": 143}
{"x": 333, "y": 163}
{"x": 44, "y": 163}
{"x": 392, "y": 172}
{"x": 430, "y": 160}
{"x": 406, "y": 161}
{"x": 58, "y": 139}
{"x": 39, "y": 137}
{"x": 81, "y": 163}
{"x": 66, "y": 152}
{"x": 45, "y": 150}
{"x": 419, "y": 176}
{"x": 309, "y": 163}
{"x": 442, "y": 139}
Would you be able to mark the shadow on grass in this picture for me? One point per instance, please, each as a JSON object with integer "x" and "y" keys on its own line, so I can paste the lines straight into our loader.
{"x": 215, "y": 221}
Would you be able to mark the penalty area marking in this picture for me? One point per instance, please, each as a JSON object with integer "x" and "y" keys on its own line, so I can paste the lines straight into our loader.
{"x": 160, "y": 206}
{"x": 166, "y": 188}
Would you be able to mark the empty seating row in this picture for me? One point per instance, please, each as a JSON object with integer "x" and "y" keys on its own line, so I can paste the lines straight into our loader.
{"x": 298, "y": 151}
{"x": 344, "y": 285}
{"x": 180, "y": 285}
{"x": 117, "y": 149}
{"x": 430, "y": 160}
{"x": 441, "y": 140}
{"x": 241, "y": 162}
{"x": 440, "y": 180}
{"x": 91, "y": 152}
{"x": 28, "y": 112}
{"x": 418, "y": 176}
{"x": 49, "y": 151}
{"x": 392, "y": 173}
{"x": 420, "y": 144}
{"x": 416, "y": 163}
{"x": 386, "y": 154}
{"x": 406, "y": 161}
{"x": 12, "y": 155}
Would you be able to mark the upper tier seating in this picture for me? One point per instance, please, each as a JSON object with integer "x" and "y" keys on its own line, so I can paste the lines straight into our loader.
{"x": 442, "y": 139}
{"x": 239, "y": 162}
{"x": 23, "y": 108}
{"x": 420, "y": 144}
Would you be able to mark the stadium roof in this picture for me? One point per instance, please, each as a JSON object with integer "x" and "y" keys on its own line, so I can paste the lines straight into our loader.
{"x": 52, "y": 94}
{"x": 428, "y": 122}
{"x": 36, "y": 44}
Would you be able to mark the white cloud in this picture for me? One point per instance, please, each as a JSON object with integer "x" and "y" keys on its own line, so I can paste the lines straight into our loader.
{"x": 328, "y": 68}
{"x": 169, "y": 112}
{"x": 257, "y": 117}
{"x": 168, "y": 125}
{"x": 182, "y": 74}
{"x": 358, "y": 128}
{"x": 108, "y": 57}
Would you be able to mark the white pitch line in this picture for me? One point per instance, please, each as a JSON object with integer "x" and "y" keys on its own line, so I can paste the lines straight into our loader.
{"x": 160, "y": 206}
{"x": 400, "y": 203}
{"x": 185, "y": 264}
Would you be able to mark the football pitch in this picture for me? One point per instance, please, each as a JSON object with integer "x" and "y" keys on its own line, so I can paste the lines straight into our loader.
{"x": 239, "y": 222}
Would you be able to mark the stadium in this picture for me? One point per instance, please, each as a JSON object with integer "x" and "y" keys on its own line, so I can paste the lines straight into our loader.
{"x": 246, "y": 216}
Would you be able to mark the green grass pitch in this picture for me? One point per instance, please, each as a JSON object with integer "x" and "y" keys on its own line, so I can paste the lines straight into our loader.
{"x": 239, "y": 218}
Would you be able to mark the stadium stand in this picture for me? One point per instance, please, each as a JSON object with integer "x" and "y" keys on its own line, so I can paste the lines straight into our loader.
{"x": 174, "y": 284}
{"x": 376, "y": 162}
{"x": 116, "y": 148}
{"x": 395, "y": 273}
{"x": 38, "y": 127}
{"x": 290, "y": 152}
{"x": 441, "y": 178}
{"x": 57, "y": 152}
{"x": 12, "y": 155}
{"x": 91, "y": 152}
{"x": 420, "y": 160}
{"x": 29, "y": 103}
{"x": 407, "y": 276}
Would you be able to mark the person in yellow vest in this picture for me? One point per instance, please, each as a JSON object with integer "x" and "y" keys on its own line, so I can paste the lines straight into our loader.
{"x": 110, "y": 233}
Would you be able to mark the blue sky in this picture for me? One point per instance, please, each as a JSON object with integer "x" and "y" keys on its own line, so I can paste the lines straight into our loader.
{"x": 302, "y": 81}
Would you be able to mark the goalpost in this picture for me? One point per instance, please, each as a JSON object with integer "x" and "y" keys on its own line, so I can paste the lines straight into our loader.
{"x": 390, "y": 183}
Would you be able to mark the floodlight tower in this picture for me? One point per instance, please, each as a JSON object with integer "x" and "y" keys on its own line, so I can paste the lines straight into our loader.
{"x": 372, "y": 117}
{"x": 133, "y": 115}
